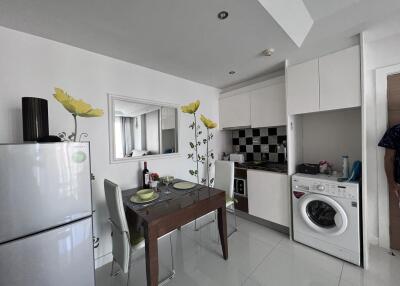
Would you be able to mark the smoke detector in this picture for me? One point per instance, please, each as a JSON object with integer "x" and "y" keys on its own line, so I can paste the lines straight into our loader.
{"x": 223, "y": 15}
{"x": 268, "y": 52}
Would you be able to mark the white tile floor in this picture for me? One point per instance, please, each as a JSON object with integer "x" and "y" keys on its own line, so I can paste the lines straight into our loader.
{"x": 258, "y": 256}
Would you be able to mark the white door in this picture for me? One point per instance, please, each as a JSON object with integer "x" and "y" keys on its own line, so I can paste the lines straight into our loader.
{"x": 303, "y": 88}
{"x": 234, "y": 111}
{"x": 323, "y": 214}
{"x": 268, "y": 106}
{"x": 340, "y": 79}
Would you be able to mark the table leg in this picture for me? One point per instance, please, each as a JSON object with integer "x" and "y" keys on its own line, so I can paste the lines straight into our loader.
{"x": 222, "y": 231}
{"x": 151, "y": 256}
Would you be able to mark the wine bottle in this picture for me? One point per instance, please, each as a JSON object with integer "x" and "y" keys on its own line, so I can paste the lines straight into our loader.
{"x": 146, "y": 176}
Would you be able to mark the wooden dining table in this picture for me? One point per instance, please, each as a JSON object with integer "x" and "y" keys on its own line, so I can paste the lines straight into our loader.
{"x": 173, "y": 209}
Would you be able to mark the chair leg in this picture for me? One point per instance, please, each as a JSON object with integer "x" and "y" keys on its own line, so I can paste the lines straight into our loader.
{"x": 129, "y": 266}
{"x": 170, "y": 276}
{"x": 112, "y": 267}
{"x": 112, "y": 274}
{"x": 233, "y": 211}
{"x": 172, "y": 273}
{"x": 234, "y": 214}
{"x": 202, "y": 226}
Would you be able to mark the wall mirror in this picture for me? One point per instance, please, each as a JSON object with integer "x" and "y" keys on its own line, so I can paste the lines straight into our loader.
{"x": 141, "y": 129}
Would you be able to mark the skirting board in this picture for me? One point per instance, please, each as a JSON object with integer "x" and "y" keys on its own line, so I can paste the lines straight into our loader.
{"x": 102, "y": 260}
{"x": 274, "y": 226}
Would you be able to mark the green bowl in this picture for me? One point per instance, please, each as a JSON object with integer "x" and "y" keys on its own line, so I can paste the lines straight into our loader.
{"x": 145, "y": 194}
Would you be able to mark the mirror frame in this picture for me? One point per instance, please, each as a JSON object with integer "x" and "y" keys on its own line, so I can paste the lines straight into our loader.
{"x": 111, "y": 115}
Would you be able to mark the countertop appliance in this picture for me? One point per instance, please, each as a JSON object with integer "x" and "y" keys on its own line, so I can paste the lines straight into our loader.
{"x": 46, "y": 215}
{"x": 312, "y": 169}
{"x": 240, "y": 182}
{"x": 238, "y": 158}
{"x": 326, "y": 215}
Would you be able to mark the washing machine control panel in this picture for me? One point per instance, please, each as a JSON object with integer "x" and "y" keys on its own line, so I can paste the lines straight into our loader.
{"x": 326, "y": 187}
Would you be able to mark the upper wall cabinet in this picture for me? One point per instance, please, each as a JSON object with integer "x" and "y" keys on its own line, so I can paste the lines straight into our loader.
{"x": 340, "y": 78}
{"x": 303, "y": 88}
{"x": 328, "y": 83}
{"x": 234, "y": 111}
{"x": 268, "y": 106}
{"x": 258, "y": 105}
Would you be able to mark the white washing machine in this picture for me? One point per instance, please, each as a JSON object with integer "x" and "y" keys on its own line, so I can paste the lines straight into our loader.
{"x": 326, "y": 215}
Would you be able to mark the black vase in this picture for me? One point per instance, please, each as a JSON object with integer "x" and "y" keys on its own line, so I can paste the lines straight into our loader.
{"x": 35, "y": 118}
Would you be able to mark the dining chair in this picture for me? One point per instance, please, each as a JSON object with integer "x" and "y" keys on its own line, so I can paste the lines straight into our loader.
{"x": 224, "y": 180}
{"x": 125, "y": 241}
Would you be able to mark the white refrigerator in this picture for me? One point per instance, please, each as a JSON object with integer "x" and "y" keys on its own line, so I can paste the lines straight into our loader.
{"x": 46, "y": 215}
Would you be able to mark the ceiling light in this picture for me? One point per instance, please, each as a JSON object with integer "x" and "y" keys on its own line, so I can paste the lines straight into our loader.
{"x": 268, "y": 52}
{"x": 223, "y": 15}
{"x": 232, "y": 72}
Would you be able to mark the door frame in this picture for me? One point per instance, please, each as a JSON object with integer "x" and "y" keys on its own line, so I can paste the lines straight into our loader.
{"x": 381, "y": 101}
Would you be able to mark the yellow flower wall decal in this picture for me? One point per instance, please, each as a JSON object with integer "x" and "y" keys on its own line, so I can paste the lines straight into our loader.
{"x": 191, "y": 107}
{"x": 77, "y": 107}
{"x": 208, "y": 122}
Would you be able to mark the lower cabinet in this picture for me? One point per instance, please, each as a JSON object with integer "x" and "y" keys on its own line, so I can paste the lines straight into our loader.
{"x": 268, "y": 196}
{"x": 241, "y": 203}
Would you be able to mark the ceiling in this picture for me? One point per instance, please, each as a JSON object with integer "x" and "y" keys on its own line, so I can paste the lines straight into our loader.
{"x": 185, "y": 38}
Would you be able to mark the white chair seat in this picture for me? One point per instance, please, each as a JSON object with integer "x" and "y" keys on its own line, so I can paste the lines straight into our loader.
{"x": 229, "y": 203}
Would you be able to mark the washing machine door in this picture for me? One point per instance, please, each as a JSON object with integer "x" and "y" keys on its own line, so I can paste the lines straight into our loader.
{"x": 323, "y": 214}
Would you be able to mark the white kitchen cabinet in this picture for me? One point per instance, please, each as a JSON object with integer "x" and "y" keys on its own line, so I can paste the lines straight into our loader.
{"x": 268, "y": 196}
{"x": 303, "y": 88}
{"x": 328, "y": 83}
{"x": 339, "y": 75}
{"x": 268, "y": 106}
{"x": 234, "y": 111}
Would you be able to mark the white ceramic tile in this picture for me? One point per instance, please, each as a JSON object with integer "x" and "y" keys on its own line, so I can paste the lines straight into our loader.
{"x": 345, "y": 283}
{"x": 251, "y": 282}
{"x": 311, "y": 257}
{"x": 258, "y": 256}
{"x": 264, "y": 148}
{"x": 208, "y": 268}
{"x": 261, "y": 233}
{"x": 384, "y": 270}
{"x": 264, "y": 131}
{"x": 249, "y": 132}
{"x": 283, "y": 268}
{"x": 245, "y": 253}
{"x": 281, "y": 130}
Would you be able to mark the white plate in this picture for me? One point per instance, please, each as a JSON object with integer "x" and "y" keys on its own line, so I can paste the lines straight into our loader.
{"x": 184, "y": 185}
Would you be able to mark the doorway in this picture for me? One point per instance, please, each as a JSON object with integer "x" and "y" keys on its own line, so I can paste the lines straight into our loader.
{"x": 387, "y": 115}
{"x": 393, "y": 107}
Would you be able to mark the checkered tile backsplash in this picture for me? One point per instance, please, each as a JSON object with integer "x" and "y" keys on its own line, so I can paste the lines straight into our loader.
{"x": 260, "y": 143}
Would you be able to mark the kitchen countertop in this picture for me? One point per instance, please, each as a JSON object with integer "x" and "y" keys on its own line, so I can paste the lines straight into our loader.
{"x": 264, "y": 166}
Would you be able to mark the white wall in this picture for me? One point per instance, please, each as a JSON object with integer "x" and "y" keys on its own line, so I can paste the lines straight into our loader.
{"x": 33, "y": 66}
{"x": 381, "y": 49}
{"x": 329, "y": 135}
